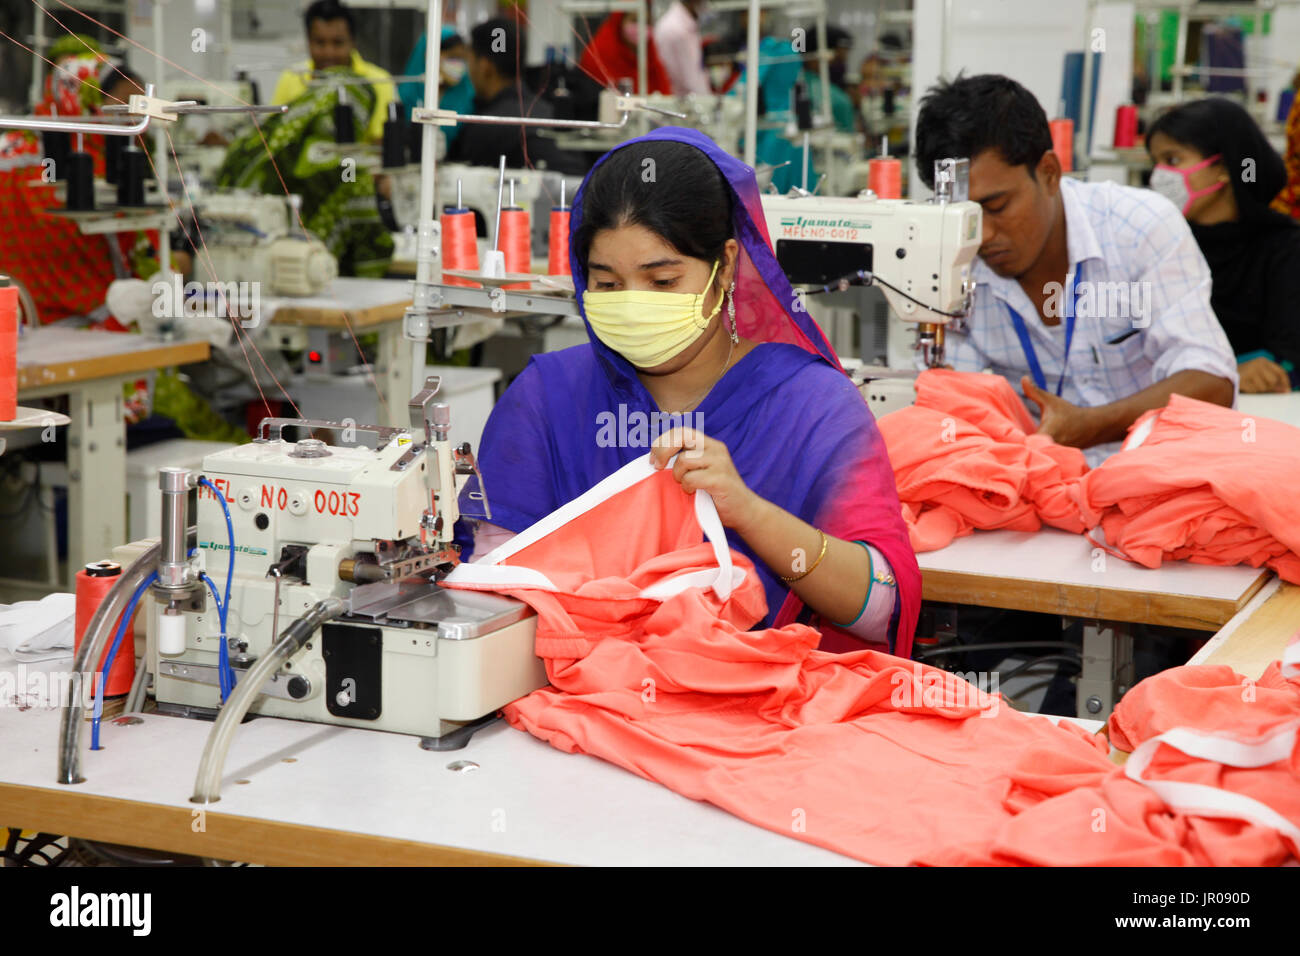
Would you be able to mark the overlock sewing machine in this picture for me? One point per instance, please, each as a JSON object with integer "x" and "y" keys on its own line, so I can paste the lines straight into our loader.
{"x": 368, "y": 520}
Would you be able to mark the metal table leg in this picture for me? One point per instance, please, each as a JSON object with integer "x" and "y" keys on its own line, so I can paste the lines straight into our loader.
{"x": 96, "y": 472}
{"x": 394, "y": 370}
{"x": 1107, "y": 671}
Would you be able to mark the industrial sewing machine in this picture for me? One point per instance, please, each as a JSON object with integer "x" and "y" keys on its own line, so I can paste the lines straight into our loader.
{"x": 920, "y": 253}
{"x": 720, "y": 116}
{"x": 251, "y": 237}
{"x": 369, "y": 525}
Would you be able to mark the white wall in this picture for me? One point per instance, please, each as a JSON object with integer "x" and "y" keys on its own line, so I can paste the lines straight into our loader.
{"x": 1279, "y": 52}
{"x": 1026, "y": 40}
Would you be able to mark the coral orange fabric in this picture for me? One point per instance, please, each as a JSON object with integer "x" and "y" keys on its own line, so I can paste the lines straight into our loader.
{"x": 867, "y": 754}
{"x": 642, "y": 625}
{"x": 1207, "y": 485}
{"x": 965, "y": 456}
{"x": 1213, "y": 780}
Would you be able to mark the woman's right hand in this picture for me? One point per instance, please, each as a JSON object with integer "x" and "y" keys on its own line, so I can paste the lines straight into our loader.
{"x": 1263, "y": 375}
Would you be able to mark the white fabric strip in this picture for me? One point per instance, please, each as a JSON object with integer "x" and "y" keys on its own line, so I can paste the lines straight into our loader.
{"x": 706, "y": 513}
{"x": 500, "y": 575}
{"x": 1201, "y": 800}
{"x": 1291, "y": 658}
{"x": 489, "y": 572}
{"x": 707, "y": 578}
{"x": 621, "y": 480}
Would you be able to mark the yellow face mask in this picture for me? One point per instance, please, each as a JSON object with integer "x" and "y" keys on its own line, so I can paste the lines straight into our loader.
{"x": 649, "y": 328}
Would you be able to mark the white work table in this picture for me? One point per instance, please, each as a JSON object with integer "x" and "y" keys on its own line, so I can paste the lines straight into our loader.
{"x": 90, "y": 367}
{"x": 1057, "y": 572}
{"x": 324, "y": 795}
{"x": 364, "y": 797}
{"x": 361, "y": 306}
{"x": 1283, "y": 408}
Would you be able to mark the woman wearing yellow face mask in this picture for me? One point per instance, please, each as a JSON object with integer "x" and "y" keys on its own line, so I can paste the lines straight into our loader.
{"x": 698, "y": 344}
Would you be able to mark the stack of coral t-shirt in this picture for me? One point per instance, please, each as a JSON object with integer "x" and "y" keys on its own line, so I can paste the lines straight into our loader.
{"x": 965, "y": 456}
{"x": 1201, "y": 483}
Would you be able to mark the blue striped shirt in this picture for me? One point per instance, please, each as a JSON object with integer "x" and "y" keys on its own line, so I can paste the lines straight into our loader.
{"x": 1139, "y": 272}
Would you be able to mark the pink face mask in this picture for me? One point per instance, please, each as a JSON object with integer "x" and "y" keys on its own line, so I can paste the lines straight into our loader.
{"x": 1175, "y": 183}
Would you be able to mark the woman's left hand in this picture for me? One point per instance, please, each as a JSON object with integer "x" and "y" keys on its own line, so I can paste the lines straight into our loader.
{"x": 704, "y": 464}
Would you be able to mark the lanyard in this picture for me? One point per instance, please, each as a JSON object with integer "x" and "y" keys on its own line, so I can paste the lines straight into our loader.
{"x": 1022, "y": 333}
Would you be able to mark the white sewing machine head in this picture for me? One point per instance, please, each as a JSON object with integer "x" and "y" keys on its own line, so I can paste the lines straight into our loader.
{"x": 251, "y": 237}
{"x": 368, "y": 520}
{"x": 920, "y": 253}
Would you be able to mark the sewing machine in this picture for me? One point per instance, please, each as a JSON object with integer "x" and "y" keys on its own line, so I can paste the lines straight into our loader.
{"x": 252, "y": 237}
{"x": 920, "y": 253}
{"x": 721, "y": 116}
{"x": 369, "y": 525}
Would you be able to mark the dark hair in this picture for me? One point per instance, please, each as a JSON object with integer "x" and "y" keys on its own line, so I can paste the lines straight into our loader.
{"x": 451, "y": 41}
{"x": 686, "y": 201}
{"x": 114, "y": 75}
{"x": 506, "y": 61}
{"x": 964, "y": 117}
{"x": 327, "y": 10}
{"x": 836, "y": 39}
{"x": 1217, "y": 126}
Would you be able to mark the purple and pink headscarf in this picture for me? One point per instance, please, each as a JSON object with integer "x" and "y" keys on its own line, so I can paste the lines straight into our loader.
{"x": 798, "y": 431}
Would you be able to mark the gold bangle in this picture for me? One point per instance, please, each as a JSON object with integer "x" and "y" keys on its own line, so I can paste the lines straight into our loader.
{"x": 800, "y": 577}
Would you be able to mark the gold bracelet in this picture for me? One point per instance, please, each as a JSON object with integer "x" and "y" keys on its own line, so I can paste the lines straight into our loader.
{"x": 800, "y": 577}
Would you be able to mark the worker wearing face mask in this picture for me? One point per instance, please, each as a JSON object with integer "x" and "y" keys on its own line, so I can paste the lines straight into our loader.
{"x": 1092, "y": 298}
{"x": 1216, "y": 166}
{"x": 677, "y": 37}
{"x": 496, "y": 57}
{"x": 695, "y": 348}
{"x": 455, "y": 88}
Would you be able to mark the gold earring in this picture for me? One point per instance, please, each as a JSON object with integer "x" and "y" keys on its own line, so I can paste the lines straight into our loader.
{"x": 731, "y": 310}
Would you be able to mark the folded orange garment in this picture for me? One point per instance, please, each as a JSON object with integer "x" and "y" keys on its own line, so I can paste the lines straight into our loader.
{"x": 1212, "y": 779}
{"x": 1207, "y": 484}
{"x": 965, "y": 457}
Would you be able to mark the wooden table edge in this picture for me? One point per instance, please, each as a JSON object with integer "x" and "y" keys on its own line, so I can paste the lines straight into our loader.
{"x": 335, "y": 318}
{"x": 31, "y": 377}
{"x": 1237, "y": 643}
{"x": 89, "y": 816}
{"x": 1111, "y": 604}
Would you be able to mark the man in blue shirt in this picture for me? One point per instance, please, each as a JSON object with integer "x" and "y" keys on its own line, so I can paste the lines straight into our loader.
{"x": 1093, "y": 298}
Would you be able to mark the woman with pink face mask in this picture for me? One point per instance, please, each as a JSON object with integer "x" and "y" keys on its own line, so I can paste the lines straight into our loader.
{"x": 1213, "y": 162}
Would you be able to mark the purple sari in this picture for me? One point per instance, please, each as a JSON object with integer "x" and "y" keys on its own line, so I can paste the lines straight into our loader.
{"x": 798, "y": 431}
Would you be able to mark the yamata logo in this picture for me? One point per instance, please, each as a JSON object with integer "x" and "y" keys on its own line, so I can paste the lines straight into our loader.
{"x": 133, "y": 910}
{"x": 820, "y": 222}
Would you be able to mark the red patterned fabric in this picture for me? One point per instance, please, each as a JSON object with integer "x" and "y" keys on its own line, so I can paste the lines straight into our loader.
{"x": 67, "y": 273}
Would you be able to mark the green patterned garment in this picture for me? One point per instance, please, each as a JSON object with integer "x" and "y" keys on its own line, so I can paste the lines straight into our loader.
{"x": 338, "y": 194}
